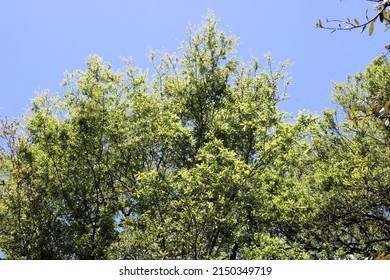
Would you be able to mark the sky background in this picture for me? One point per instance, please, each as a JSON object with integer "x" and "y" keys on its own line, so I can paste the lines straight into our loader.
{"x": 41, "y": 39}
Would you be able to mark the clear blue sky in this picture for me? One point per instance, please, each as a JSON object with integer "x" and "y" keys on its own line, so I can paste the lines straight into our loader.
{"x": 41, "y": 39}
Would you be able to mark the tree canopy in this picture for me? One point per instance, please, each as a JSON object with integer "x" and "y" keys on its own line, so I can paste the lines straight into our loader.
{"x": 196, "y": 161}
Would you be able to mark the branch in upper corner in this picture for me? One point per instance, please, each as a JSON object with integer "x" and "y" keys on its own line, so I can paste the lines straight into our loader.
{"x": 382, "y": 13}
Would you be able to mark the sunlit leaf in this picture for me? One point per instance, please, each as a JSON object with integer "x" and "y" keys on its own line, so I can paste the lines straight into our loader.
{"x": 371, "y": 28}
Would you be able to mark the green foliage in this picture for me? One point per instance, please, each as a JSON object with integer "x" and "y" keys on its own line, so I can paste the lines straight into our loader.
{"x": 365, "y": 98}
{"x": 273, "y": 248}
{"x": 349, "y": 169}
{"x": 195, "y": 162}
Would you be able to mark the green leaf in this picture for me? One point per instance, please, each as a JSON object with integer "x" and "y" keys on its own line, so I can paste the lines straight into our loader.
{"x": 386, "y": 108}
{"x": 356, "y": 21}
{"x": 371, "y": 28}
{"x": 352, "y": 113}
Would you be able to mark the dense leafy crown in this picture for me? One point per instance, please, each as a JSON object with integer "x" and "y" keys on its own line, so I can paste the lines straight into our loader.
{"x": 195, "y": 162}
